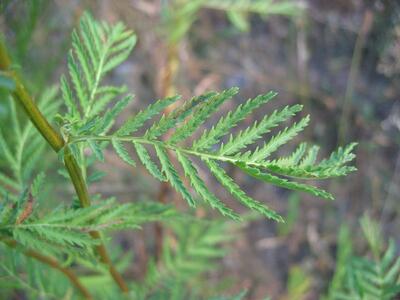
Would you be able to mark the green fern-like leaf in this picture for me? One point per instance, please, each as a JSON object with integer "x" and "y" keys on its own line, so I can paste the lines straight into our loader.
{"x": 168, "y": 135}
{"x": 96, "y": 49}
{"x": 300, "y": 164}
{"x": 210, "y": 148}
{"x": 65, "y": 230}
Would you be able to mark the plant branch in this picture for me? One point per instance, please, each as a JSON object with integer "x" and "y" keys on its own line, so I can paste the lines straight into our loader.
{"x": 57, "y": 142}
{"x": 55, "y": 265}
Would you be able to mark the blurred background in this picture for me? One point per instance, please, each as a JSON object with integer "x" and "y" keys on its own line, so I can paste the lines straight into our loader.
{"x": 340, "y": 59}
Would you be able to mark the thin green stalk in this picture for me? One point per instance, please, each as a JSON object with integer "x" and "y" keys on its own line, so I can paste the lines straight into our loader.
{"x": 108, "y": 138}
{"x": 56, "y": 141}
{"x": 353, "y": 75}
{"x": 224, "y": 158}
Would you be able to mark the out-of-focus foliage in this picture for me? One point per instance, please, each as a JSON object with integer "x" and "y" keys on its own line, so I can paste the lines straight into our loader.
{"x": 362, "y": 277}
{"x": 179, "y": 15}
{"x": 299, "y": 284}
{"x": 187, "y": 255}
{"x": 21, "y": 145}
{"x": 37, "y": 281}
{"x": 23, "y": 22}
{"x": 291, "y": 216}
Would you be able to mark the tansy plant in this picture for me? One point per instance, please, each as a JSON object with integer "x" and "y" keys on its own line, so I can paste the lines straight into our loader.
{"x": 67, "y": 237}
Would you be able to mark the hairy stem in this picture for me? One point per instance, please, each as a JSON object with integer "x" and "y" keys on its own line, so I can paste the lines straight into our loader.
{"x": 55, "y": 265}
{"x": 56, "y": 141}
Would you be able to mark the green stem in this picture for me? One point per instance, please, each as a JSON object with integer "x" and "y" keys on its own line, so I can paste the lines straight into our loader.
{"x": 141, "y": 140}
{"x": 271, "y": 167}
{"x": 56, "y": 141}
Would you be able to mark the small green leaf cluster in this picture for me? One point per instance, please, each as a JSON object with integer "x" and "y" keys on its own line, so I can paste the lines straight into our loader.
{"x": 362, "y": 277}
{"x": 97, "y": 48}
{"x": 66, "y": 229}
